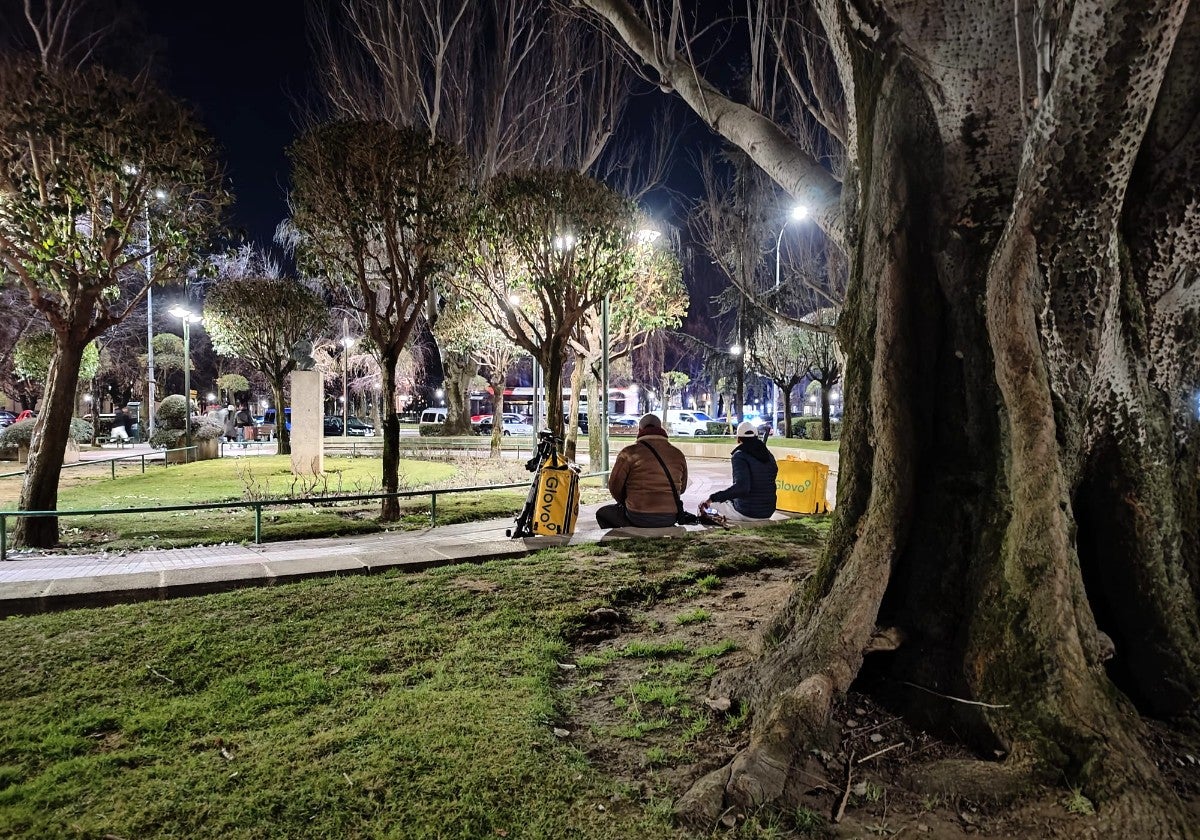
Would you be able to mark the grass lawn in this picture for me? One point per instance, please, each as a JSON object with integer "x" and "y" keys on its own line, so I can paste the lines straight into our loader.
{"x": 265, "y": 477}
{"x": 420, "y": 706}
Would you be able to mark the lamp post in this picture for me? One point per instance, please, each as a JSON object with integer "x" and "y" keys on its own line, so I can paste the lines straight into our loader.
{"x": 188, "y": 318}
{"x": 736, "y": 351}
{"x": 347, "y": 343}
{"x": 799, "y": 213}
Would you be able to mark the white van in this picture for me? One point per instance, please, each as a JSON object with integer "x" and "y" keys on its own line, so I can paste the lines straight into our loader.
{"x": 433, "y": 415}
{"x": 687, "y": 422}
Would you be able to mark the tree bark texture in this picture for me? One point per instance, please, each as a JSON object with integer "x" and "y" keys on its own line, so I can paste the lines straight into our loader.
{"x": 1018, "y": 474}
{"x": 459, "y": 369}
{"x": 51, "y": 431}
{"x": 390, "y": 510}
{"x": 281, "y": 430}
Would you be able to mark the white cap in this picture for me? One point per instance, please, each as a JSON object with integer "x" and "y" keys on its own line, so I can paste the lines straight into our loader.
{"x": 746, "y": 429}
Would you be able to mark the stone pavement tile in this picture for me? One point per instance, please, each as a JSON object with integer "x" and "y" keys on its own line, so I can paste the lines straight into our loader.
{"x": 206, "y": 579}
{"x": 483, "y": 550}
{"x": 101, "y": 590}
{"x": 286, "y": 571}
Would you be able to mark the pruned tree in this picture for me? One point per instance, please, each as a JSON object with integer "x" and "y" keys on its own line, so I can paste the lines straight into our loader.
{"x": 96, "y": 173}
{"x": 1021, "y": 216}
{"x": 551, "y": 244}
{"x": 259, "y": 320}
{"x": 784, "y": 354}
{"x": 517, "y": 84}
{"x": 651, "y": 298}
{"x": 378, "y": 212}
{"x": 462, "y": 329}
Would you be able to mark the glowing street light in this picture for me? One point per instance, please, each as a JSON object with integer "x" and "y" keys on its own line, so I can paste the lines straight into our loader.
{"x": 188, "y": 318}
{"x": 799, "y": 213}
{"x": 347, "y": 343}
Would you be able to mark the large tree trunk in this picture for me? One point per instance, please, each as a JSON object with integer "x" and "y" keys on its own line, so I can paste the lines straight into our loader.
{"x": 572, "y": 430}
{"x": 596, "y": 425}
{"x": 51, "y": 430}
{"x": 390, "y": 510}
{"x": 281, "y": 430}
{"x": 551, "y": 360}
{"x": 499, "y": 380}
{"x": 1017, "y": 483}
{"x": 460, "y": 369}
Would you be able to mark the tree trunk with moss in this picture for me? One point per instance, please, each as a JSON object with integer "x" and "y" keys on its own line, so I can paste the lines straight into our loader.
{"x": 1018, "y": 473}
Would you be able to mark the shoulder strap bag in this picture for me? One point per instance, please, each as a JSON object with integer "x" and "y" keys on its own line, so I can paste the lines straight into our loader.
{"x": 682, "y": 517}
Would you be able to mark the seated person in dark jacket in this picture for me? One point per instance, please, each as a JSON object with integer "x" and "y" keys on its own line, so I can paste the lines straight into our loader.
{"x": 752, "y": 495}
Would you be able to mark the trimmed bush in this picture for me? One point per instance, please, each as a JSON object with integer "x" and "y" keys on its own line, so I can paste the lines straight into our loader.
{"x": 18, "y": 434}
{"x": 172, "y": 412}
{"x": 716, "y": 429}
{"x": 21, "y": 434}
{"x": 81, "y": 430}
{"x": 812, "y": 430}
{"x": 207, "y": 428}
{"x": 430, "y": 429}
{"x": 164, "y": 438}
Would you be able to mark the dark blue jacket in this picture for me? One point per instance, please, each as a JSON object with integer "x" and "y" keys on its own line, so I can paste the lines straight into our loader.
{"x": 753, "y": 490}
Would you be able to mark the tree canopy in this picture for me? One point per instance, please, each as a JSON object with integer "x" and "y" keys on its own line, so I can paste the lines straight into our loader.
{"x": 100, "y": 176}
{"x": 259, "y": 320}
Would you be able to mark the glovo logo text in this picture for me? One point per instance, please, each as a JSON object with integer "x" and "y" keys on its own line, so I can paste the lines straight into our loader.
{"x": 789, "y": 487}
{"x": 546, "y": 504}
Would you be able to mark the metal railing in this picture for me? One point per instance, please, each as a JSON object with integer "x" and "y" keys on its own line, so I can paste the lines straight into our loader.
{"x": 156, "y": 455}
{"x": 258, "y": 504}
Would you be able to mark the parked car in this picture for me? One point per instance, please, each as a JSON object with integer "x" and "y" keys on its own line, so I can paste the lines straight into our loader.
{"x": 7, "y": 418}
{"x": 357, "y": 428}
{"x": 333, "y": 425}
{"x": 687, "y": 422}
{"x": 27, "y": 414}
{"x": 433, "y": 415}
{"x": 514, "y": 424}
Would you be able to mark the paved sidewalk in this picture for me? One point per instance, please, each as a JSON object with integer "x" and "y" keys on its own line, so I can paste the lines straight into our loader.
{"x": 46, "y": 582}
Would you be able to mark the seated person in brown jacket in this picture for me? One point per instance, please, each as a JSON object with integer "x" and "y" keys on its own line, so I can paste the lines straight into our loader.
{"x": 639, "y": 483}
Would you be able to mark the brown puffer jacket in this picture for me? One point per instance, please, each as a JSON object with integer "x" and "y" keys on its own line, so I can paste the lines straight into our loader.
{"x": 639, "y": 482}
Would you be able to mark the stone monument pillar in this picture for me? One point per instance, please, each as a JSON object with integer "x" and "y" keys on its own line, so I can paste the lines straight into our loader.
{"x": 308, "y": 423}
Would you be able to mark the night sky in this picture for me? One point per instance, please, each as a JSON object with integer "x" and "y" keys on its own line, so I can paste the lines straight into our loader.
{"x": 242, "y": 66}
{"x": 245, "y": 67}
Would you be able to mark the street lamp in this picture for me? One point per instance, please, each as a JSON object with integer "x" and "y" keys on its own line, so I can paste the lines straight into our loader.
{"x": 188, "y": 318}
{"x": 799, "y": 213}
{"x": 736, "y": 351}
{"x": 347, "y": 343}
{"x": 148, "y": 266}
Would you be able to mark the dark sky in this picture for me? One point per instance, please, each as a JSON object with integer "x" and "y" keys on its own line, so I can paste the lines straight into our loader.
{"x": 242, "y": 66}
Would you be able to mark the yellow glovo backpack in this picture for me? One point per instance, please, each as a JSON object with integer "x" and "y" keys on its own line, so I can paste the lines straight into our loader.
{"x": 553, "y": 503}
{"x": 556, "y": 505}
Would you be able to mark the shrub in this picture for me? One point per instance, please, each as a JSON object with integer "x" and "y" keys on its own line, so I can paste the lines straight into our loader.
{"x": 81, "y": 430}
{"x": 164, "y": 438}
{"x": 799, "y": 427}
{"x": 171, "y": 412}
{"x": 207, "y": 428}
{"x": 18, "y": 434}
{"x": 716, "y": 429}
{"x": 812, "y": 430}
{"x": 431, "y": 429}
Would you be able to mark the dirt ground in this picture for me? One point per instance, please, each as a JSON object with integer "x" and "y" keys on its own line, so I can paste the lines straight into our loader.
{"x": 877, "y": 777}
